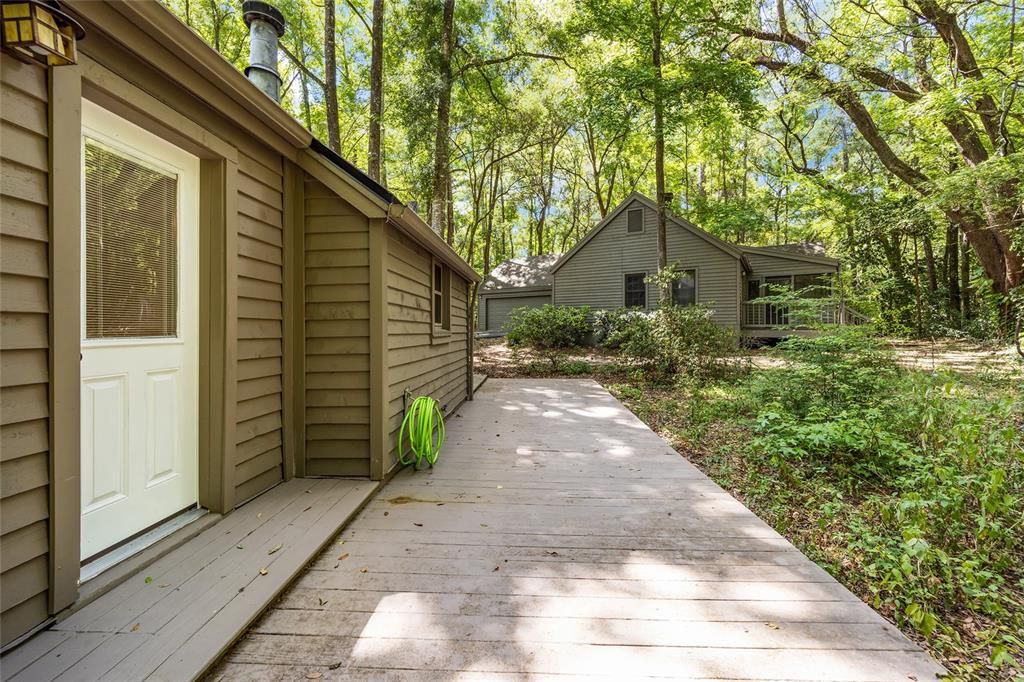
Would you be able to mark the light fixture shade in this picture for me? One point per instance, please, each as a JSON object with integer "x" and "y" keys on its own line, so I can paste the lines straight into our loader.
{"x": 40, "y": 31}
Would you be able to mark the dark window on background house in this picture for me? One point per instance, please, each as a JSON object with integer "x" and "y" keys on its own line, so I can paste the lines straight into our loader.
{"x": 636, "y": 291}
{"x": 635, "y": 220}
{"x": 684, "y": 289}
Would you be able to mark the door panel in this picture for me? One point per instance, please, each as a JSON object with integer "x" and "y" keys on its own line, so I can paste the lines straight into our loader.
{"x": 139, "y": 330}
{"x": 104, "y": 422}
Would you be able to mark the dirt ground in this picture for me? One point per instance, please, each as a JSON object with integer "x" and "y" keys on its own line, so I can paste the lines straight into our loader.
{"x": 494, "y": 357}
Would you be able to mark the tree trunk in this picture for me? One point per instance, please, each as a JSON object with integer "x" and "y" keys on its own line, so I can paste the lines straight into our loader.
{"x": 331, "y": 78}
{"x": 929, "y": 261}
{"x": 953, "y": 270}
{"x": 373, "y": 155}
{"x": 659, "y": 136}
{"x": 965, "y": 279}
{"x": 917, "y": 291}
{"x": 441, "y": 181}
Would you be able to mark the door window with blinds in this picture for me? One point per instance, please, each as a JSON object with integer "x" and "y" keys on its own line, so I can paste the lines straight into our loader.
{"x": 131, "y": 245}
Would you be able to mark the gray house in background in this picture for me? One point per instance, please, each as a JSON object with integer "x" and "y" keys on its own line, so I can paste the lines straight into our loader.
{"x": 606, "y": 270}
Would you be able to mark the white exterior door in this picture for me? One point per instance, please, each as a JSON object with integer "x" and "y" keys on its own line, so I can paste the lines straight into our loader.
{"x": 140, "y": 272}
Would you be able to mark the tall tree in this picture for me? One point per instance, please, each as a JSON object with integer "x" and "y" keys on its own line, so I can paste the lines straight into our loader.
{"x": 659, "y": 133}
{"x": 373, "y": 156}
{"x": 331, "y": 77}
{"x": 975, "y": 107}
{"x": 441, "y": 179}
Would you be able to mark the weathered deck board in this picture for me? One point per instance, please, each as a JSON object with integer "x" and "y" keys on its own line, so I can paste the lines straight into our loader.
{"x": 560, "y": 538}
{"x": 174, "y": 619}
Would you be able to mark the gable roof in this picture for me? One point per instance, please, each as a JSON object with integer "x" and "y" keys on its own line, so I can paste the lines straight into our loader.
{"x": 806, "y": 252}
{"x": 728, "y": 248}
{"x": 521, "y": 273}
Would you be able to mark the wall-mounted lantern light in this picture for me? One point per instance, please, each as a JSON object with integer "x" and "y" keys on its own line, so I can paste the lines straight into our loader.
{"x": 41, "y": 31}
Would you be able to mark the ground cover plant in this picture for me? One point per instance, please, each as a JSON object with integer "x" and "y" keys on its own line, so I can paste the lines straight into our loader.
{"x": 906, "y": 484}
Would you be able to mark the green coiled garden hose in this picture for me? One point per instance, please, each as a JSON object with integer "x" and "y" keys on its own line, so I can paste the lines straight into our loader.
{"x": 421, "y": 420}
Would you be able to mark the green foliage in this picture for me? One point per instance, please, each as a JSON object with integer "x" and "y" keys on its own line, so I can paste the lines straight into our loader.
{"x": 671, "y": 340}
{"x": 614, "y": 328}
{"x": 551, "y": 127}
{"x": 576, "y": 368}
{"x": 927, "y": 479}
{"x": 906, "y": 485}
{"x": 845, "y": 369}
{"x": 548, "y": 330}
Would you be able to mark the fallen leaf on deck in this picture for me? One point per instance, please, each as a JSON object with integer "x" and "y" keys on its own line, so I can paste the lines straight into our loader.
{"x": 417, "y": 524}
{"x": 773, "y": 626}
{"x": 149, "y": 579}
{"x": 273, "y": 550}
{"x": 483, "y": 525}
{"x": 363, "y": 570}
{"x": 496, "y": 568}
{"x": 263, "y": 571}
{"x": 314, "y": 674}
{"x": 135, "y": 628}
{"x": 343, "y": 556}
{"x": 323, "y": 602}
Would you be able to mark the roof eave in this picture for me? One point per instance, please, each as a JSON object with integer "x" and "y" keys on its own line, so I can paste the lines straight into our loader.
{"x": 406, "y": 220}
{"x": 516, "y": 290}
{"x": 792, "y": 255}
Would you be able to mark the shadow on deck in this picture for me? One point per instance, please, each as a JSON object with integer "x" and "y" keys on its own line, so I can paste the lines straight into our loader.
{"x": 175, "y": 618}
{"x": 558, "y": 535}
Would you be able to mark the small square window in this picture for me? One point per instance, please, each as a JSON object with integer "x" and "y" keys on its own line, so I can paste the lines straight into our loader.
{"x": 684, "y": 289}
{"x": 636, "y": 291}
{"x": 635, "y": 220}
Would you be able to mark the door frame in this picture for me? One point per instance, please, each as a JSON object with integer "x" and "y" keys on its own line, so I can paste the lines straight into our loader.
{"x": 217, "y": 324}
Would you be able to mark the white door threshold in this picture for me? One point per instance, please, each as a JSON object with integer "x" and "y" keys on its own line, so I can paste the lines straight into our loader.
{"x": 138, "y": 544}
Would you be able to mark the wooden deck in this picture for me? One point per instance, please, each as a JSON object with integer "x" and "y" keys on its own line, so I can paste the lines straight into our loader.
{"x": 175, "y": 618}
{"x": 559, "y": 536}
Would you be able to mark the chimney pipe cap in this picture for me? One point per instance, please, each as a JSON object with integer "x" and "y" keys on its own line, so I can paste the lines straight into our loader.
{"x": 254, "y": 9}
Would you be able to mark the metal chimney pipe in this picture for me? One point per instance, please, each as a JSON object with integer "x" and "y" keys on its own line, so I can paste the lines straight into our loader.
{"x": 266, "y": 25}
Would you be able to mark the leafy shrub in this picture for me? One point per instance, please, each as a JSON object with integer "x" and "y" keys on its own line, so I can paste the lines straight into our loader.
{"x": 613, "y": 327}
{"x": 548, "y": 330}
{"x": 928, "y": 473}
{"x": 843, "y": 368}
{"x": 576, "y": 368}
{"x": 691, "y": 342}
{"x": 674, "y": 340}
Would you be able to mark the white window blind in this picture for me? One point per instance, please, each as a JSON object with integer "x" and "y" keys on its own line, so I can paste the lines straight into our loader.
{"x": 131, "y": 245}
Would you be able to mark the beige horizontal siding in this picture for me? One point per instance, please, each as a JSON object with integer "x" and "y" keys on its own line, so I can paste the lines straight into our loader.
{"x": 595, "y": 275}
{"x": 258, "y": 450}
{"x": 337, "y": 292}
{"x": 24, "y": 346}
{"x": 417, "y": 360}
